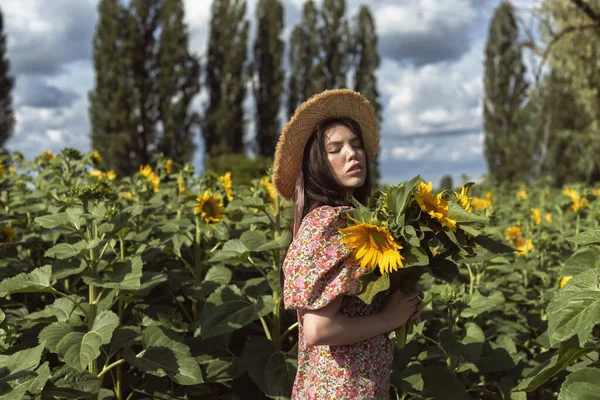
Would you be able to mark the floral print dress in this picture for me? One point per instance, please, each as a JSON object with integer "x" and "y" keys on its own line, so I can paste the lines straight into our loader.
{"x": 317, "y": 270}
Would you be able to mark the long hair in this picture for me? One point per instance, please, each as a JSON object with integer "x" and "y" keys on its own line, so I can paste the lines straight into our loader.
{"x": 315, "y": 182}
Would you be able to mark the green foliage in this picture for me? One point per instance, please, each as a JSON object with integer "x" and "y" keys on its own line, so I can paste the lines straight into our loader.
{"x": 508, "y": 147}
{"x": 7, "y": 115}
{"x": 243, "y": 168}
{"x": 136, "y": 295}
{"x": 145, "y": 82}
{"x": 268, "y": 57}
{"x": 225, "y": 81}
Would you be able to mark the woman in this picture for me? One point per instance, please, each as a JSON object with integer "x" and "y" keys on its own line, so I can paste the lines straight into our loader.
{"x": 321, "y": 157}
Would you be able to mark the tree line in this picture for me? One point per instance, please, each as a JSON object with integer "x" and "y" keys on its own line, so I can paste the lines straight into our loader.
{"x": 544, "y": 122}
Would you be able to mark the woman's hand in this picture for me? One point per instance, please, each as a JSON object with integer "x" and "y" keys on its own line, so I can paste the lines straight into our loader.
{"x": 401, "y": 307}
{"x": 416, "y": 317}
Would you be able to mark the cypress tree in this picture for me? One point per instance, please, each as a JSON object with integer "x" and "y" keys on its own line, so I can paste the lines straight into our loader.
{"x": 223, "y": 125}
{"x": 137, "y": 109}
{"x": 7, "y": 116}
{"x": 507, "y": 146}
{"x": 268, "y": 51}
{"x": 111, "y": 99}
{"x": 306, "y": 77}
{"x": 335, "y": 37}
{"x": 178, "y": 84}
{"x": 366, "y": 61}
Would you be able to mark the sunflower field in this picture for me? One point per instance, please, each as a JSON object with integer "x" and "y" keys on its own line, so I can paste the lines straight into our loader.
{"x": 165, "y": 285}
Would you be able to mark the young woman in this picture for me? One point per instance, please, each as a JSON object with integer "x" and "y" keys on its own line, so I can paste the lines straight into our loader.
{"x": 322, "y": 156}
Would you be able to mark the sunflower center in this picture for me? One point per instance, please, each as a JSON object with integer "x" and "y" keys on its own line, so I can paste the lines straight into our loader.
{"x": 209, "y": 209}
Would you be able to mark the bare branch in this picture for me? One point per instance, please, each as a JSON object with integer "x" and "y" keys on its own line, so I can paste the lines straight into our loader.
{"x": 587, "y": 10}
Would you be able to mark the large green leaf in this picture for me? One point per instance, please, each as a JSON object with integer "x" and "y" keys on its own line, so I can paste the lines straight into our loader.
{"x": 253, "y": 239}
{"x": 575, "y": 309}
{"x": 255, "y": 355}
{"x": 233, "y": 249}
{"x": 493, "y": 246}
{"x": 459, "y": 214}
{"x": 414, "y": 257}
{"x": 227, "y": 309}
{"x": 20, "y": 364}
{"x": 583, "y": 384}
{"x": 53, "y": 221}
{"x": 35, "y": 281}
{"x": 125, "y": 275}
{"x": 371, "y": 285}
{"x": 62, "y": 309}
{"x": 589, "y": 237}
{"x": 164, "y": 354}
{"x": 399, "y": 198}
{"x": 215, "y": 277}
{"x": 281, "y": 243}
{"x": 33, "y": 383}
{"x": 63, "y": 251}
{"x": 568, "y": 352}
{"x": 478, "y": 304}
{"x": 280, "y": 373}
{"x": 582, "y": 260}
{"x": 79, "y": 348}
{"x": 439, "y": 383}
{"x": 68, "y": 383}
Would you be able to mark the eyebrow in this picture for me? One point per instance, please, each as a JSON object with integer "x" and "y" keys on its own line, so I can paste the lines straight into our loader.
{"x": 337, "y": 142}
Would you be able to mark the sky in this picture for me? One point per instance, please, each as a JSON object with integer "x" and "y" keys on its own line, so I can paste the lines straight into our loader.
{"x": 430, "y": 78}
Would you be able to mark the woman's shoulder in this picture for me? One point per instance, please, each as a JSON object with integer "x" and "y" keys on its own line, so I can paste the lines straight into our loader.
{"x": 325, "y": 214}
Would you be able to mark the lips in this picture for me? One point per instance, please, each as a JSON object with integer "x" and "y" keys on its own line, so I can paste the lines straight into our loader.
{"x": 354, "y": 168}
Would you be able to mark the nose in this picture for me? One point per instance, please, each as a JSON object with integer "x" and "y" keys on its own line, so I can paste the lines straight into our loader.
{"x": 351, "y": 152}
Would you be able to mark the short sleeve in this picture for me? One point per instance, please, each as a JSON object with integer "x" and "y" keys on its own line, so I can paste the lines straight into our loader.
{"x": 318, "y": 267}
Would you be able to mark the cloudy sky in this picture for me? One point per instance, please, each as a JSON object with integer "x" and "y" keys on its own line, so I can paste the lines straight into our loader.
{"x": 430, "y": 78}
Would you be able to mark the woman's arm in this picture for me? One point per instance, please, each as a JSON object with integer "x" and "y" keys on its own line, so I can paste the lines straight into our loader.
{"x": 328, "y": 326}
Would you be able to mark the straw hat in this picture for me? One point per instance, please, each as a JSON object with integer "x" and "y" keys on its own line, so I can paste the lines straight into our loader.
{"x": 328, "y": 104}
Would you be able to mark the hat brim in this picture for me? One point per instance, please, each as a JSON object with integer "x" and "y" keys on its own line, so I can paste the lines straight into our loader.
{"x": 335, "y": 103}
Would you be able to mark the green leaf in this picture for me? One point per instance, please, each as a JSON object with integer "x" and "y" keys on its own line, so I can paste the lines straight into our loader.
{"x": 65, "y": 250}
{"x": 227, "y": 309}
{"x": 493, "y": 245}
{"x": 53, "y": 221}
{"x": 62, "y": 269}
{"x": 439, "y": 383}
{"x": 22, "y": 361}
{"x": 469, "y": 229}
{"x": 589, "y": 237}
{"x": 568, "y": 352}
{"x": 125, "y": 275}
{"x": 398, "y": 199}
{"x": 233, "y": 249}
{"x": 73, "y": 215}
{"x": 575, "y": 309}
{"x": 36, "y": 281}
{"x": 69, "y": 383}
{"x": 371, "y": 285}
{"x": 459, "y": 214}
{"x": 410, "y": 234}
{"x": 164, "y": 354}
{"x": 63, "y": 310}
{"x": 281, "y": 243}
{"x": 414, "y": 257}
{"x": 478, "y": 304}
{"x": 444, "y": 269}
{"x": 79, "y": 348}
{"x": 215, "y": 277}
{"x": 253, "y": 239}
{"x": 255, "y": 356}
{"x": 581, "y": 384}
{"x": 32, "y": 383}
{"x": 280, "y": 373}
{"x": 582, "y": 260}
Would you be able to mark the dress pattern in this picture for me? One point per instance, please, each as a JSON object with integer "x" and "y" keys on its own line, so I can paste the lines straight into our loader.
{"x": 317, "y": 269}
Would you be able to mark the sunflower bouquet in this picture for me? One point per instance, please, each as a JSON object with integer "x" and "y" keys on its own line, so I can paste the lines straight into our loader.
{"x": 406, "y": 231}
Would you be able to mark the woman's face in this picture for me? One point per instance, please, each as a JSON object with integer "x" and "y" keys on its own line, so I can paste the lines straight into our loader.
{"x": 346, "y": 157}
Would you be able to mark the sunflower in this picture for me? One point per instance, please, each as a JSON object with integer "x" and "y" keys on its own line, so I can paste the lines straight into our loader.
{"x": 209, "y": 207}
{"x": 578, "y": 201}
{"x": 564, "y": 280}
{"x": 169, "y": 166}
{"x": 7, "y": 234}
{"x": 373, "y": 245}
{"x": 226, "y": 182}
{"x": 48, "y": 154}
{"x": 512, "y": 232}
{"x": 436, "y": 207}
{"x": 181, "y": 185}
{"x": 97, "y": 157}
{"x": 272, "y": 195}
{"x": 536, "y": 214}
{"x": 548, "y": 217}
{"x": 150, "y": 176}
{"x": 522, "y": 194}
{"x": 522, "y": 244}
{"x": 463, "y": 199}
